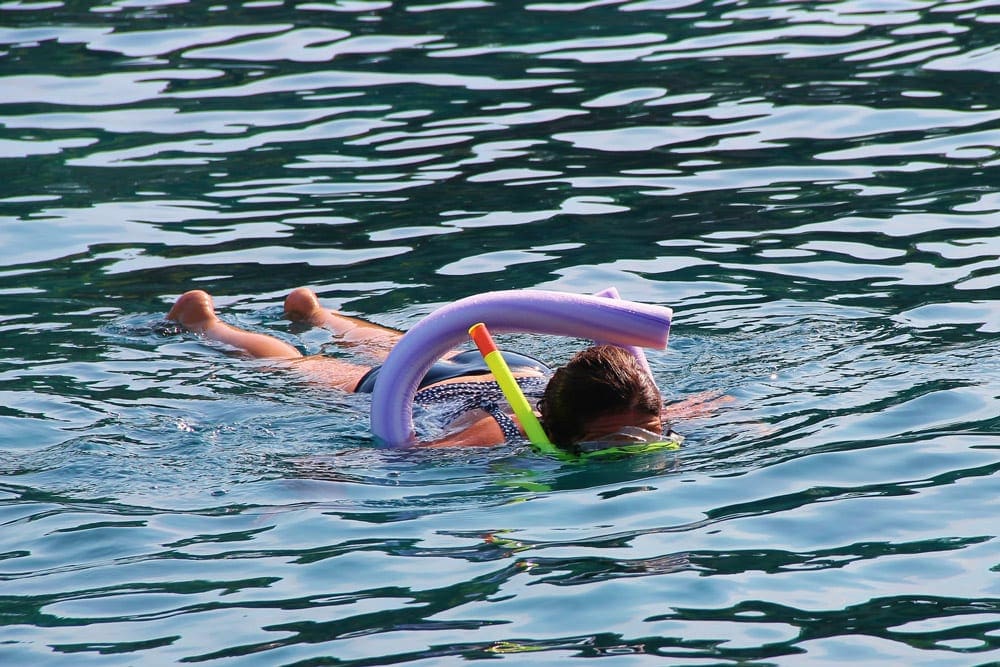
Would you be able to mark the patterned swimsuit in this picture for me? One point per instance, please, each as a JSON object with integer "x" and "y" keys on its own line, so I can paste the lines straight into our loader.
{"x": 461, "y": 397}
{"x": 444, "y": 403}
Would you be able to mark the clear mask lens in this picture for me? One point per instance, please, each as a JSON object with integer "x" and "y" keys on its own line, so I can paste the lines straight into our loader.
{"x": 632, "y": 437}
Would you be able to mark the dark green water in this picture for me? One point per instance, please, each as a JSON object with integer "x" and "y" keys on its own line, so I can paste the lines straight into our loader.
{"x": 814, "y": 187}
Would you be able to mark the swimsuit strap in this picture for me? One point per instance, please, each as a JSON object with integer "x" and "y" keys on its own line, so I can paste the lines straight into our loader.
{"x": 503, "y": 420}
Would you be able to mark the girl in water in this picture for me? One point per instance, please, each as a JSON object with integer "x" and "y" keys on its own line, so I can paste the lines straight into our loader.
{"x": 601, "y": 394}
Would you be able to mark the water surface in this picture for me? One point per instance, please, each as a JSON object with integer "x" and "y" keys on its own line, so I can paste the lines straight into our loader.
{"x": 811, "y": 186}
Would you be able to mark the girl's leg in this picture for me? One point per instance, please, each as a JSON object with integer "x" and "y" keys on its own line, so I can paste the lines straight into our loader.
{"x": 195, "y": 311}
{"x": 377, "y": 341}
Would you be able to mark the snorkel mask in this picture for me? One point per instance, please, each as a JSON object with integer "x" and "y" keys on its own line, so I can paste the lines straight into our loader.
{"x": 629, "y": 441}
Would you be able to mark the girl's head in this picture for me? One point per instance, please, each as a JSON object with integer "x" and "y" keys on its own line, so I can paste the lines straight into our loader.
{"x": 601, "y": 390}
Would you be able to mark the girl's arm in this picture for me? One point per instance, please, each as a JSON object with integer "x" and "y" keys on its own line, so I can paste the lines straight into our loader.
{"x": 703, "y": 404}
{"x": 482, "y": 431}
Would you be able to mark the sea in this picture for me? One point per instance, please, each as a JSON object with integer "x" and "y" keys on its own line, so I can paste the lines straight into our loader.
{"x": 812, "y": 186}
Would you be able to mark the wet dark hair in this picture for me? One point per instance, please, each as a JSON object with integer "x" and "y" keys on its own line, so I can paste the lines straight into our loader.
{"x": 597, "y": 381}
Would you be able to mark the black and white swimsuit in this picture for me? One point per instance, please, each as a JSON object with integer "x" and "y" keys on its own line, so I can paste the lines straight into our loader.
{"x": 448, "y": 402}
{"x": 451, "y": 401}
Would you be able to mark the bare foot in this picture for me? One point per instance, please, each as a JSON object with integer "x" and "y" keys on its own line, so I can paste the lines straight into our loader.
{"x": 301, "y": 305}
{"x": 194, "y": 310}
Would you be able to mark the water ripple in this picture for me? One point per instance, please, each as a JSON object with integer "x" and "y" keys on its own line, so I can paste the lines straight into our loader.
{"x": 812, "y": 187}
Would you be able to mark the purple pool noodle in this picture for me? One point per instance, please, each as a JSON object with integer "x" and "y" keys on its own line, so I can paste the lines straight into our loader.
{"x": 610, "y": 320}
{"x": 612, "y": 293}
